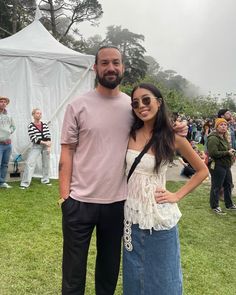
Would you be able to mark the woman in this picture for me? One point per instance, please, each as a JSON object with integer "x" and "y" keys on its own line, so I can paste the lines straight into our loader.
{"x": 206, "y": 130}
{"x": 151, "y": 244}
{"x": 40, "y": 137}
{"x": 222, "y": 158}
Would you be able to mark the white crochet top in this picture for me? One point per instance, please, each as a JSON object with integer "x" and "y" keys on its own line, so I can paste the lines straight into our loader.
{"x": 140, "y": 206}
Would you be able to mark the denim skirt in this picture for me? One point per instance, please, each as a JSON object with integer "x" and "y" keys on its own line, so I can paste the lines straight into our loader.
{"x": 152, "y": 267}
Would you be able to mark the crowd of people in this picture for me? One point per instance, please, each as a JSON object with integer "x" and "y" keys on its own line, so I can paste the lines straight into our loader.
{"x": 199, "y": 129}
{"x": 115, "y": 151}
{"x": 218, "y": 136}
{"x": 40, "y": 138}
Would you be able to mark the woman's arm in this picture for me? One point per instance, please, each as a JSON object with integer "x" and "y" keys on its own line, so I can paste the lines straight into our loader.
{"x": 207, "y": 130}
{"x": 185, "y": 149}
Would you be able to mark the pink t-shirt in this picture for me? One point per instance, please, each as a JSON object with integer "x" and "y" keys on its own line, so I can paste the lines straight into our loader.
{"x": 100, "y": 126}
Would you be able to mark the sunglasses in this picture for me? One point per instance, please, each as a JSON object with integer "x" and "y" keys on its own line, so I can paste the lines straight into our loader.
{"x": 146, "y": 100}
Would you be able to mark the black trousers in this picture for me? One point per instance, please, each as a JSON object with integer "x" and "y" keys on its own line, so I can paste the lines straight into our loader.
{"x": 188, "y": 171}
{"x": 221, "y": 177}
{"x": 78, "y": 222}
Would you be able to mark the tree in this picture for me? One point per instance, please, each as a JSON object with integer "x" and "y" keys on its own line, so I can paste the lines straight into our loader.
{"x": 15, "y": 15}
{"x": 5, "y": 22}
{"x": 153, "y": 66}
{"x": 133, "y": 52}
{"x": 62, "y": 17}
{"x": 170, "y": 74}
{"x": 229, "y": 103}
{"x": 89, "y": 46}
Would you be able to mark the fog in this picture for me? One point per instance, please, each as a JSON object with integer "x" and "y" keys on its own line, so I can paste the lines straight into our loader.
{"x": 196, "y": 38}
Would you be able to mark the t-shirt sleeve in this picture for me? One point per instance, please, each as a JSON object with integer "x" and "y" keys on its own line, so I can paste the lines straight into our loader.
{"x": 70, "y": 127}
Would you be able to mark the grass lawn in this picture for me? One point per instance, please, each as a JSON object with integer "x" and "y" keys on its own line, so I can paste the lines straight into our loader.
{"x": 31, "y": 244}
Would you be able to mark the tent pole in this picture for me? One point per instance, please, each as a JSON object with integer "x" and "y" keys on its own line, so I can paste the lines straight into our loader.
{"x": 61, "y": 105}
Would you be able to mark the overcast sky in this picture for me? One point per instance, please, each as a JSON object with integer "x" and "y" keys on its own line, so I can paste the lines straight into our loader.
{"x": 196, "y": 38}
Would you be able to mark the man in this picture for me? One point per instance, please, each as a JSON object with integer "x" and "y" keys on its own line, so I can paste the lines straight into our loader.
{"x": 226, "y": 114}
{"x": 7, "y": 127}
{"x": 91, "y": 175}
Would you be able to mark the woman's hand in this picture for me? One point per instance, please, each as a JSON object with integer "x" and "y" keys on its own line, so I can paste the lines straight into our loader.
{"x": 164, "y": 196}
{"x": 231, "y": 152}
{"x": 47, "y": 143}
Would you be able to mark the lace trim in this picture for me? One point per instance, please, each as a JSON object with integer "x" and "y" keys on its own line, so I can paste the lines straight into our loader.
{"x": 141, "y": 207}
{"x": 158, "y": 217}
{"x": 127, "y": 235}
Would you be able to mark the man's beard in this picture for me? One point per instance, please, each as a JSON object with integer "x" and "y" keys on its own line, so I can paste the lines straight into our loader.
{"x": 107, "y": 83}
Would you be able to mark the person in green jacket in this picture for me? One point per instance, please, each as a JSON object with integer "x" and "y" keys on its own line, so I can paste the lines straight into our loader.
{"x": 220, "y": 168}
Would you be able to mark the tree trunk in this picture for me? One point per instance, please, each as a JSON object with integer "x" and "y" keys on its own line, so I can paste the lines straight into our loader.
{"x": 53, "y": 21}
{"x": 14, "y": 16}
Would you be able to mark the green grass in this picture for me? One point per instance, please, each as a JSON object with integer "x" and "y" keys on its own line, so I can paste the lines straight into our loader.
{"x": 31, "y": 244}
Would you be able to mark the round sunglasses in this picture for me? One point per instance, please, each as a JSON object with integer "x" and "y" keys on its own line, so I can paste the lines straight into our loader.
{"x": 146, "y": 100}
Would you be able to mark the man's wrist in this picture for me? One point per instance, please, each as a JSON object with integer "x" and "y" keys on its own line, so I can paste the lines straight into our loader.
{"x": 61, "y": 200}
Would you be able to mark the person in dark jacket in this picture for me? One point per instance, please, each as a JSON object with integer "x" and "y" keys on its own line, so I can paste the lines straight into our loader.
{"x": 220, "y": 168}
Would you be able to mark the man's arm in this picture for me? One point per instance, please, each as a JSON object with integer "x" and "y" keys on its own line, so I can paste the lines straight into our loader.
{"x": 13, "y": 126}
{"x": 65, "y": 169}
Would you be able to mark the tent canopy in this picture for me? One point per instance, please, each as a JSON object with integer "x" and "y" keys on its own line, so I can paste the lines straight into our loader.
{"x": 35, "y": 41}
{"x": 38, "y": 71}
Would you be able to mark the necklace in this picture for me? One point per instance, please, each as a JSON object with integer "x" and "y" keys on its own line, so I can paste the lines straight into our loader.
{"x": 147, "y": 138}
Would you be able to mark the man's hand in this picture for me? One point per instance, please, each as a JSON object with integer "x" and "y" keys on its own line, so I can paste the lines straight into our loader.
{"x": 181, "y": 128}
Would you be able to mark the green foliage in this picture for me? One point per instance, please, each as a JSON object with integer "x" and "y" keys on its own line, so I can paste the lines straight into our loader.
{"x": 89, "y": 46}
{"x": 153, "y": 67}
{"x": 59, "y": 16}
{"x": 195, "y": 107}
{"x": 130, "y": 44}
{"x": 31, "y": 244}
{"x": 229, "y": 103}
{"x": 127, "y": 89}
{"x": 62, "y": 17}
{"x": 169, "y": 78}
{"x": 5, "y": 20}
{"x": 15, "y": 15}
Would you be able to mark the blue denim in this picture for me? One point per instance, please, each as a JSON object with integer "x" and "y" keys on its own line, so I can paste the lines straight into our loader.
{"x": 153, "y": 266}
{"x": 5, "y": 153}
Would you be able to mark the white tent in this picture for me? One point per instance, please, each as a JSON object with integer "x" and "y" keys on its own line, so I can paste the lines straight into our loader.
{"x": 38, "y": 71}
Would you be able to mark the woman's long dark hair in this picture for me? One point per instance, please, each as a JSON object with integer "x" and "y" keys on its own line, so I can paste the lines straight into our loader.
{"x": 163, "y": 133}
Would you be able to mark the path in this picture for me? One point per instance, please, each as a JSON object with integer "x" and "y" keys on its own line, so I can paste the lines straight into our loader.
{"x": 173, "y": 174}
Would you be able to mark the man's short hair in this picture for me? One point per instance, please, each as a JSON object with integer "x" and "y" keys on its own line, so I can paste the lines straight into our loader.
{"x": 222, "y": 112}
{"x": 105, "y": 47}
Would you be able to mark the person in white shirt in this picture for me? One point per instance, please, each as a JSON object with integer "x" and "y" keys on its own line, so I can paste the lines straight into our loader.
{"x": 7, "y": 127}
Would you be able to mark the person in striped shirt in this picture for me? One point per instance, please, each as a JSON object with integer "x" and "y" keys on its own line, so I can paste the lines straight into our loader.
{"x": 40, "y": 137}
